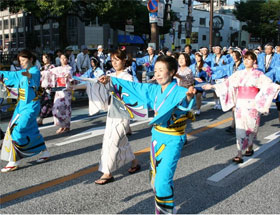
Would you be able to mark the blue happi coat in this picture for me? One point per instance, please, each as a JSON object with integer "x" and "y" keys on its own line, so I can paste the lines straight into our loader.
{"x": 146, "y": 59}
{"x": 224, "y": 71}
{"x": 274, "y": 62}
{"x": 274, "y": 75}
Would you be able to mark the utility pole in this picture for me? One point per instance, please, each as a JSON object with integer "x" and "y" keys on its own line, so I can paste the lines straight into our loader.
{"x": 154, "y": 34}
{"x": 211, "y": 26}
{"x": 152, "y": 6}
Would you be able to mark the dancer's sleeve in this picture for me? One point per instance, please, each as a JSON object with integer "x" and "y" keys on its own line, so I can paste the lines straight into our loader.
{"x": 131, "y": 100}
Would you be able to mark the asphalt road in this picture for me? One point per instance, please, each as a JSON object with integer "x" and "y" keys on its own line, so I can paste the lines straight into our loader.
{"x": 65, "y": 184}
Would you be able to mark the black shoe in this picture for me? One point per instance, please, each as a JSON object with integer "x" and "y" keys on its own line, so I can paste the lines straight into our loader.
{"x": 249, "y": 153}
{"x": 237, "y": 160}
{"x": 1, "y": 135}
{"x": 230, "y": 130}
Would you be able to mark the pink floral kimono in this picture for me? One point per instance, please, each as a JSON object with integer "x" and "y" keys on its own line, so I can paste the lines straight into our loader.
{"x": 62, "y": 101}
{"x": 251, "y": 92}
{"x": 47, "y": 82}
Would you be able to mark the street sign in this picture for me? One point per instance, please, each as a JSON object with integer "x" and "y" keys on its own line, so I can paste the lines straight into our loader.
{"x": 153, "y": 17}
{"x": 160, "y": 10}
{"x": 160, "y": 22}
{"x": 152, "y": 6}
{"x": 129, "y": 28}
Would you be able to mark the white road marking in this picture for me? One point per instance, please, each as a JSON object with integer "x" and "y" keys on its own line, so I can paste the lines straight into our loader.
{"x": 208, "y": 102}
{"x": 78, "y": 120}
{"x": 93, "y": 132}
{"x": 273, "y": 139}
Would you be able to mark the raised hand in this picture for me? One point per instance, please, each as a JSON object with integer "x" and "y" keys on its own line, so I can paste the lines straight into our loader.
{"x": 104, "y": 79}
{"x": 207, "y": 87}
{"x": 26, "y": 73}
{"x": 191, "y": 91}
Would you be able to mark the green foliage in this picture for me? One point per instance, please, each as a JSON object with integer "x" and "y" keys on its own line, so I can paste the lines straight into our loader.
{"x": 261, "y": 18}
{"x": 114, "y": 12}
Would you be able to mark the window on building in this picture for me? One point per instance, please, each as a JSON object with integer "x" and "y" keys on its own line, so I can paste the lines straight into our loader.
{"x": 221, "y": 39}
{"x": 6, "y": 24}
{"x": 14, "y": 36}
{"x": 72, "y": 22}
{"x": 13, "y": 23}
{"x": 0, "y": 24}
{"x": 203, "y": 37}
{"x": 20, "y": 21}
{"x": 202, "y": 21}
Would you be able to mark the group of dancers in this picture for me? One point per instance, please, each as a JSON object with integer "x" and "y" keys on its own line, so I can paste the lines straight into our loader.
{"x": 243, "y": 82}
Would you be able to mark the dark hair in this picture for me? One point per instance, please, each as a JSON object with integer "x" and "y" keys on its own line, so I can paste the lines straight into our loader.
{"x": 201, "y": 62}
{"x": 129, "y": 60}
{"x": 187, "y": 58}
{"x": 58, "y": 50}
{"x": 237, "y": 54}
{"x": 188, "y": 46}
{"x": 48, "y": 56}
{"x": 119, "y": 54}
{"x": 27, "y": 54}
{"x": 96, "y": 61}
{"x": 175, "y": 55}
{"x": 170, "y": 62}
{"x": 250, "y": 54}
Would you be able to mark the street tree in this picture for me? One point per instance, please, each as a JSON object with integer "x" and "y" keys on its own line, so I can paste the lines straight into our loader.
{"x": 261, "y": 18}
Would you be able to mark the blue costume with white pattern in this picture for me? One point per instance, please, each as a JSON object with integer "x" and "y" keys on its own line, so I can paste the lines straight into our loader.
{"x": 168, "y": 133}
{"x": 23, "y": 128}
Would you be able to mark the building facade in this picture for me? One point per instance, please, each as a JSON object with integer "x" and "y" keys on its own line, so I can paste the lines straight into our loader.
{"x": 227, "y": 29}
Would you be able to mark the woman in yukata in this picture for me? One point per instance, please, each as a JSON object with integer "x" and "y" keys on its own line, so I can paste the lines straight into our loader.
{"x": 116, "y": 150}
{"x": 22, "y": 138}
{"x": 47, "y": 83}
{"x": 251, "y": 93}
{"x": 62, "y": 100}
{"x": 171, "y": 105}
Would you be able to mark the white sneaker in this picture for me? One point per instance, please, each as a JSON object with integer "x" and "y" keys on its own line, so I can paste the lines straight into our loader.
{"x": 197, "y": 112}
{"x": 44, "y": 156}
{"x": 11, "y": 166}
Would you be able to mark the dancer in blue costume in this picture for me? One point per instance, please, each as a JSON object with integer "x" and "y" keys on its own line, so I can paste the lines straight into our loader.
{"x": 171, "y": 105}
{"x": 268, "y": 60}
{"x": 274, "y": 75}
{"x": 226, "y": 71}
{"x": 22, "y": 138}
{"x": 199, "y": 69}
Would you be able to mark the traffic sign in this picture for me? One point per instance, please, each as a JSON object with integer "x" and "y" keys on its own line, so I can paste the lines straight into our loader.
{"x": 152, "y": 6}
{"x": 129, "y": 28}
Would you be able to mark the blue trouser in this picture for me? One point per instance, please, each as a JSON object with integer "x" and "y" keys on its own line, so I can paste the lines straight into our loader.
{"x": 165, "y": 153}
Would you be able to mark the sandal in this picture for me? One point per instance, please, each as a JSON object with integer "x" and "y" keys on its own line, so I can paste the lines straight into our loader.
{"x": 237, "y": 159}
{"x": 58, "y": 131}
{"x": 40, "y": 122}
{"x": 102, "y": 181}
{"x": 249, "y": 153}
{"x": 135, "y": 169}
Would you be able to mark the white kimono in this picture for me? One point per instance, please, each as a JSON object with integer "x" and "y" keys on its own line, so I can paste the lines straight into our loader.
{"x": 116, "y": 150}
